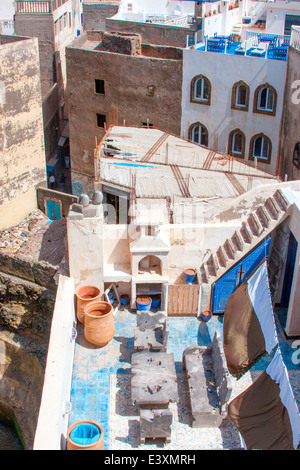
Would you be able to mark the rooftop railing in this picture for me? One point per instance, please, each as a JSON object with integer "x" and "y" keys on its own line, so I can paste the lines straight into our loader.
{"x": 38, "y": 6}
{"x": 279, "y": 38}
{"x": 295, "y": 37}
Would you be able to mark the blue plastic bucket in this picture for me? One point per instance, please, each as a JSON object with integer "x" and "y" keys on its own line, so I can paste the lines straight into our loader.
{"x": 155, "y": 302}
{"x": 111, "y": 294}
{"x": 143, "y": 303}
{"x": 124, "y": 299}
{"x": 85, "y": 434}
{"x": 189, "y": 275}
{"x": 205, "y": 315}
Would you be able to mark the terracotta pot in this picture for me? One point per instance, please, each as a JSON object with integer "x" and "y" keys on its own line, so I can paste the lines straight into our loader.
{"x": 99, "y": 326}
{"x": 84, "y": 295}
{"x": 85, "y": 435}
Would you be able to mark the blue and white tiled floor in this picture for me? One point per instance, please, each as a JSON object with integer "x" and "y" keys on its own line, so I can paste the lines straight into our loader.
{"x": 102, "y": 376}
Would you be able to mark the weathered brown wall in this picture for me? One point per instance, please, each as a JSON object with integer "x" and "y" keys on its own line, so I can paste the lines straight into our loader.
{"x": 51, "y": 121}
{"x": 22, "y": 154}
{"x": 95, "y": 14}
{"x": 126, "y": 96}
{"x": 25, "y": 307}
{"x": 27, "y": 297}
{"x": 151, "y": 33}
{"x": 290, "y": 129}
{"x": 65, "y": 199}
{"x": 41, "y": 27}
{"x": 22, "y": 364}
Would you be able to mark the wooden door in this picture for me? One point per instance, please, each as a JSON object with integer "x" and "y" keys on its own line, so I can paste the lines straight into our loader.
{"x": 183, "y": 300}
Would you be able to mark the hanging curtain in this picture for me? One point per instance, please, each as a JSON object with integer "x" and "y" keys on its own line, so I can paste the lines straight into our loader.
{"x": 249, "y": 330}
{"x": 266, "y": 414}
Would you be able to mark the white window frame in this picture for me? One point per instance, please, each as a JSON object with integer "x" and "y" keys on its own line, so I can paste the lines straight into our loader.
{"x": 261, "y": 108}
{"x": 201, "y": 98}
{"x": 233, "y": 142}
{"x": 238, "y": 105}
{"x": 199, "y": 133}
{"x": 261, "y": 156}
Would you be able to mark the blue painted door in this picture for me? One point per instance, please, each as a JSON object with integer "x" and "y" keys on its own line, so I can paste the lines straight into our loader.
{"x": 289, "y": 271}
{"x": 227, "y": 284}
{"x": 53, "y": 210}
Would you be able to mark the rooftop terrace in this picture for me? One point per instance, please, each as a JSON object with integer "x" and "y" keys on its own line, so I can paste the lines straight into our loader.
{"x": 266, "y": 46}
{"x": 101, "y": 385}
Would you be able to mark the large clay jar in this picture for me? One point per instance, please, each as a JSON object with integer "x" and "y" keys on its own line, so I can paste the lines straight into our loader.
{"x": 99, "y": 326}
{"x": 84, "y": 295}
{"x": 85, "y": 435}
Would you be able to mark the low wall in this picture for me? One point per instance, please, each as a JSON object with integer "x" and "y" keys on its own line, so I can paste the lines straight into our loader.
{"x": 66, "y": 199}
{"x": 53, "y": 417}
{"x": 22, "y": 362}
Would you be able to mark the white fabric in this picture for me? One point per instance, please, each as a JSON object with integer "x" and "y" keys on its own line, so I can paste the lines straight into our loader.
{"x": 259, "y": 293}
{"x": 278, "y": 372}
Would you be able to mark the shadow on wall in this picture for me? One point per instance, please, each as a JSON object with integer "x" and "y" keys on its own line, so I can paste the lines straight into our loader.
{"x": 53, "y": 245}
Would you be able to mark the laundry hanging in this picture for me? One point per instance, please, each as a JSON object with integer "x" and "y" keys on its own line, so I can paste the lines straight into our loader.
{"x": 249, "y": 330}
{"x": 266, "y": 414}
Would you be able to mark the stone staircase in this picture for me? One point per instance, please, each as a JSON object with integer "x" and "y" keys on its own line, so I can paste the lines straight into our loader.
{"x": 257, "y": 15}
{"x": 255, "y": 227}
{"x": 237, "y": 29}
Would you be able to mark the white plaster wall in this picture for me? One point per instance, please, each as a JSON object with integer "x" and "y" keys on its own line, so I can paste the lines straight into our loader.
{"x": 157, "y": 7}
{"x": 52, "y": 421}
{"x": 275, "y": 15}
{"x": 223, "y": 70}
{"x": 221, "y": 23}
{"x": 116, "y": 250}
{"x": 85, "y": 246}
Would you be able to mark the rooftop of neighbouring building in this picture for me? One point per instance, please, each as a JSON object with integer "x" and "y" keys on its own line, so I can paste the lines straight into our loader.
{"x": 138, "y": 150}
{"x": 38, "y": 6}
{"x": 171, "y": 172}
{"x": 261, "y": 45}
{"x": 123, "y": 43}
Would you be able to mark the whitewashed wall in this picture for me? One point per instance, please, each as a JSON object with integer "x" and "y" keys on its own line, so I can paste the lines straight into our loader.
{"x": 51, "y": 432}
{"x": 223, "y": 70}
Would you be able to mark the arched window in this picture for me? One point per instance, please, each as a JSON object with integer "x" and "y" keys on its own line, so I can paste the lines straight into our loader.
{"x": 200, "y": 90}
{"x": 240, "y": 96}
{"x": 260, "y": 148}
{"x": 198, "y": 134}
{"x": 236, "y": 143}
{"x": 265, "y": 100}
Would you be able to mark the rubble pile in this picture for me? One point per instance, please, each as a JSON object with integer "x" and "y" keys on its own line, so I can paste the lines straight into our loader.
{"x": 12, "y": 239}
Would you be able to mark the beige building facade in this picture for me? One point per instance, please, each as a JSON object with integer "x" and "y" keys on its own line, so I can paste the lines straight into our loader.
{"x": 22, "y": 154}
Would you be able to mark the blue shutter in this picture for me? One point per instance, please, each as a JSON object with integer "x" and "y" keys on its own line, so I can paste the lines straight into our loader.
{"x": 53, "y": 210}
{"x": 226, "y": 285}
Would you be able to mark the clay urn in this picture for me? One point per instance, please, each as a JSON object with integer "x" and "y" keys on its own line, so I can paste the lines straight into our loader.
{"x": 84, "y": 295}
{"x": 85, "y": 435}
{"x": 99, "y": 326}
